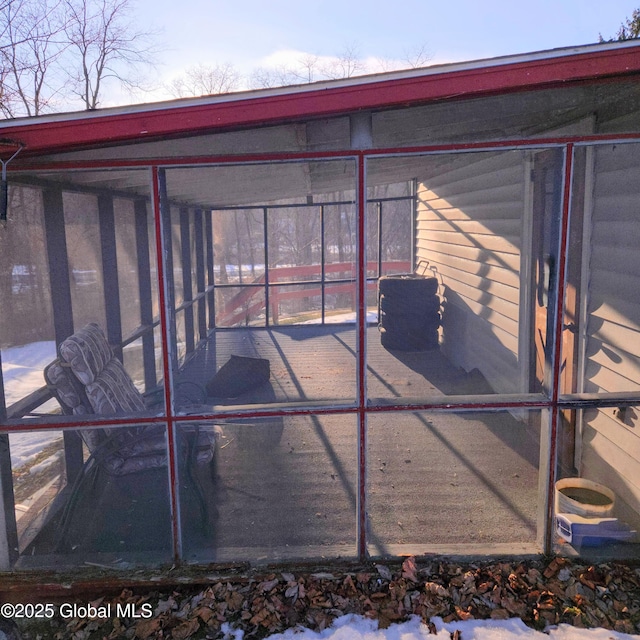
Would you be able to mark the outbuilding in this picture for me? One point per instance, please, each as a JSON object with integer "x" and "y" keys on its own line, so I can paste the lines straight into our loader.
{"x": 386, "y": 315}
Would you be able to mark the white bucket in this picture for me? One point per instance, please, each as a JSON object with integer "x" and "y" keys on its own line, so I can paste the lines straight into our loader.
{"x": 584, "y": 498}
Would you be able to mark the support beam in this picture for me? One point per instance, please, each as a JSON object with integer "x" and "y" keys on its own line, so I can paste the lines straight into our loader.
{"x": 145, "y": 292}
{"x": 200, "y": 274}
{"x": 60, "y": 286}
{"x": 58, "y": 263}
{"x": 111, "y": 285}
{"x": 187, "y": 282}
{"x": 8, "y": 525}
{"x": 211, "y": 296}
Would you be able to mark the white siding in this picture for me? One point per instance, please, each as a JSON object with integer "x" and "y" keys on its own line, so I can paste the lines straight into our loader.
{"x": 611, "y": 440}
{"x": 469, "y": 228}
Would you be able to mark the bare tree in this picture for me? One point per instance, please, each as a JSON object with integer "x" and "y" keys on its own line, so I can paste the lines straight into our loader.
{"x": 417, "y": 56}
{"x": 267, "y": 78}
{"x": 202, "y": 80}
{"x": 346, "y": 65}
{"x": 307, "y": 68}
{"x": 310, "y": 68}
{"x": 31, "y": 45}
{"x": 105, "y": 47}
{"x": 52, "y": 51}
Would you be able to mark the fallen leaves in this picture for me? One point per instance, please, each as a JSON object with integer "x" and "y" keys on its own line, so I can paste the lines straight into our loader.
{"x": 537, "y": 591}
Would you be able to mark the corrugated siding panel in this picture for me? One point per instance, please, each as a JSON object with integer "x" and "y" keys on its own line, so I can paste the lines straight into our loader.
{"x": 610, "y": 456}
{"x": 469, "y": 229}
{"x": 611, "y": 449}
{"x": 613, "y": 348}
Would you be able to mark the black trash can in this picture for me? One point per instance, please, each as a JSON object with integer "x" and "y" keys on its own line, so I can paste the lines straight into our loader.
{"x": 408, "y": 312}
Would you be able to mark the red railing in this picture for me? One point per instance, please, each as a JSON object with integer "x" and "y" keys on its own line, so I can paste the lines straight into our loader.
{"x": 251, "y": 300}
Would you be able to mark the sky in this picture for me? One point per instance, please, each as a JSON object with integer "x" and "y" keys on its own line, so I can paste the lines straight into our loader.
{"x": 256, "y": 33}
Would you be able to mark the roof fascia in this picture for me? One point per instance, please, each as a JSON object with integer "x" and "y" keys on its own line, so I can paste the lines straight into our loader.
{"x": 219, "y": 113}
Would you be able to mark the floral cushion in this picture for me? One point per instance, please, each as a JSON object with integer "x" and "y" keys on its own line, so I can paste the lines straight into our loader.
{"x": 87, "y": 378}
{"x": 112, "y": 391}
{"x": 66, "y": 389}
{"x": 87, "y": 352}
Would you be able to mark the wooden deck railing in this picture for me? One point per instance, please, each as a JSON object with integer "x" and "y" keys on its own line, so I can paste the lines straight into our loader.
{"x": 309, "y": 281}
{"x": 252, "y": 300}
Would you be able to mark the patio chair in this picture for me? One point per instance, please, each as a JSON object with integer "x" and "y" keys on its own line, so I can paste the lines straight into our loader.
{"x": 87, "y": 378}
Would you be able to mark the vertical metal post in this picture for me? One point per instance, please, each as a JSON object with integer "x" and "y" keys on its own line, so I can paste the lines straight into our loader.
{"x": 58, "y": 258}
{"x": 556, "y": 342}
{"x": 61, "y": 304}
{"x": 145, "y": 292}
{"x": 111, "y": 286}
{"x": 187, "y": 283}
{"x": 211, "y": 296}
{"x": 323, "y": 259}
{"x": 162, "y": 213}
{"x": 200, "y": 276}
{"x": 265, "y": 232}
{"x": 8, "y": 524}
{"x": 361, "y": 281}
{"x": 414, "y": 222}
{"x": 379, "y": 212}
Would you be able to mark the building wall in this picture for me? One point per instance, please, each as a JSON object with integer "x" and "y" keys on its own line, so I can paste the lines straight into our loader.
{"x": 610, "y": 451}
{"x": 469, "y": 226}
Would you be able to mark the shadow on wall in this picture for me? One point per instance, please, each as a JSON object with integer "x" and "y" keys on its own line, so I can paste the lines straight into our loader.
{"x": 471, "y": 342}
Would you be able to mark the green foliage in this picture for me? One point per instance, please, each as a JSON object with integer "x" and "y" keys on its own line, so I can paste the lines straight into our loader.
{"x": 629, "y": 29}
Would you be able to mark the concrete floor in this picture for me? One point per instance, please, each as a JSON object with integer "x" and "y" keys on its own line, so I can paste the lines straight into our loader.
{"x": 287, "y": 486}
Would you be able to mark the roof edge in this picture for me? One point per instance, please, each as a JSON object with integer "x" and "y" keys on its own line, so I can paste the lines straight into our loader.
{"x": 268, "y": 106}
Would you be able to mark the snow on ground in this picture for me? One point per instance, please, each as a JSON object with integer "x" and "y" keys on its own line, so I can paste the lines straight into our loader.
{"x": 26, "y": 446}
{"x": 22, "y": 368}
{"x": 22, "y": 374}
{"x": 349, "y": 317}
{"x": 351, "y": 627}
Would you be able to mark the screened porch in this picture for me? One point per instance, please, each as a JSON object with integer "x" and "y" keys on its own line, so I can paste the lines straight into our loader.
{"x": 354, "y": 336}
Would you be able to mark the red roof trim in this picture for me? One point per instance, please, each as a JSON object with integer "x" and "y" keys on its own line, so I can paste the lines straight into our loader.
{"x": 97, "y": 129}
